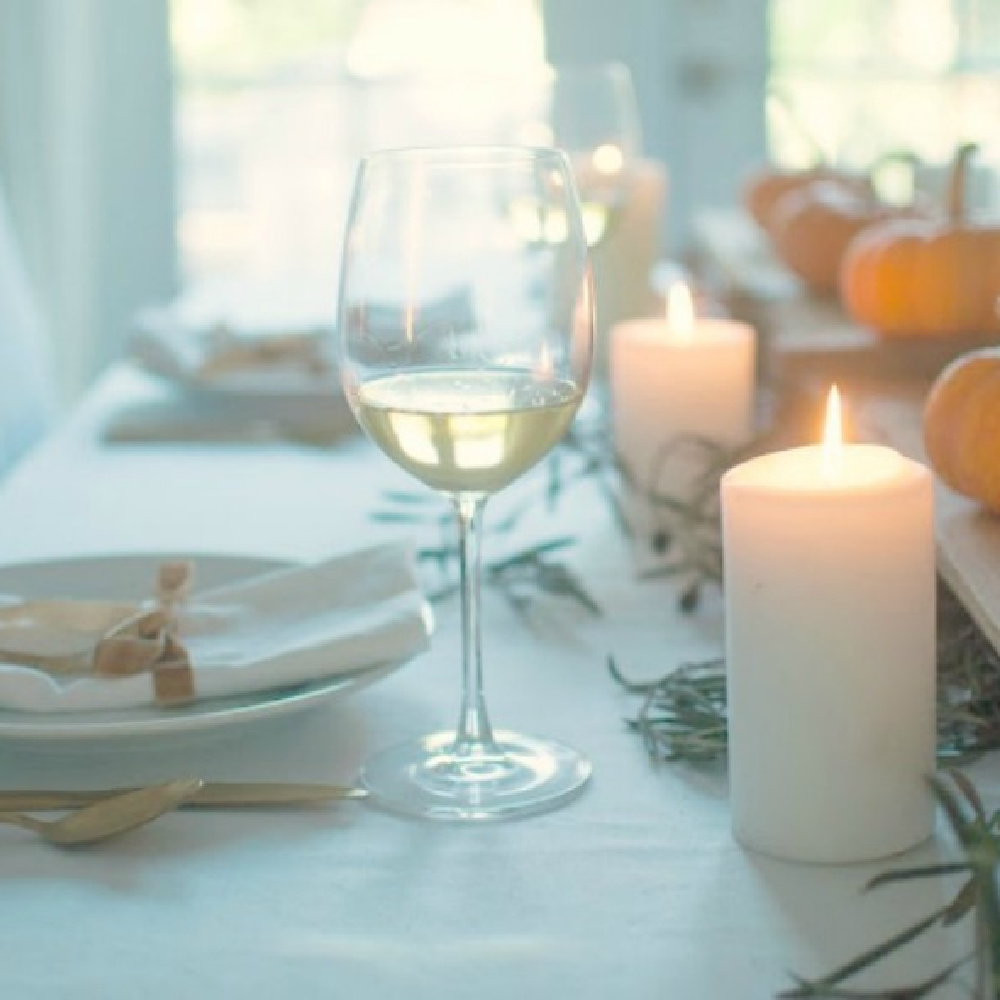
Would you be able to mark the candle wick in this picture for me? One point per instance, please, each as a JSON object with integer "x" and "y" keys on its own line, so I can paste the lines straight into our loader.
{"x": 832, "y": 463}
{"x": 833, "y": 443}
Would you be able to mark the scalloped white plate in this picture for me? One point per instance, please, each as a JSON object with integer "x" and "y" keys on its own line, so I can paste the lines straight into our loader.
{"x": 122, "y": 577}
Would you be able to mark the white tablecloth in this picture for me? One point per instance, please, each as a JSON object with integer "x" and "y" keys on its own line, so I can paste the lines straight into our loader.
{"x": 634, "y": 891}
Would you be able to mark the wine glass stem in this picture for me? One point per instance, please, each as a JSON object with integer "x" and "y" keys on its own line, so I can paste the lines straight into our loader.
{"x": 473, "y": 735}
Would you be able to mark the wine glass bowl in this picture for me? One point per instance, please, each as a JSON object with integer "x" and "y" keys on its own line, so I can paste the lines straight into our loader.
{"x": 466, "y": 325}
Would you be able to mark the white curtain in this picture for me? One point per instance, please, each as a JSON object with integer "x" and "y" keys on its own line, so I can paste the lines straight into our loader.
{"x": 26, "y": 389}
{"x": 86, "y": 152}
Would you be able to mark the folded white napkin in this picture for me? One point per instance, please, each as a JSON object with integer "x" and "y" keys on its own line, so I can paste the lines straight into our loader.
{"x": 354, "y": 611}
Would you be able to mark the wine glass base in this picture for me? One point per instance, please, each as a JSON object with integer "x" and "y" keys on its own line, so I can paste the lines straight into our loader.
{"x": 521, "y": 775}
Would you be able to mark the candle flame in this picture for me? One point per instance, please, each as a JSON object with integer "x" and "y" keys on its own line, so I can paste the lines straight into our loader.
{"x": 833, "y": 439}
{"x": 608, "y": 159}
{"x": 680, "y": 312}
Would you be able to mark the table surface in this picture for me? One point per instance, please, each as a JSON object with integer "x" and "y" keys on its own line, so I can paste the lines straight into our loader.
{"x": 634, "y": 890}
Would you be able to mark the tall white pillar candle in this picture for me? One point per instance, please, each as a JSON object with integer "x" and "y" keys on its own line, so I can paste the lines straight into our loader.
{"x": 830, "y": 645}
{"x": 676, "y": 376}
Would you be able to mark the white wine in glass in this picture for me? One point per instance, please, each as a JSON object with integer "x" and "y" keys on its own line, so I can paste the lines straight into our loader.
{"x": 466, "y": 431}
{"x": 466, "y": 349}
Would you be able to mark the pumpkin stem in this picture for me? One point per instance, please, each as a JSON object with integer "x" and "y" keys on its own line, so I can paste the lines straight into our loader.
{"x": 957, "y": 178}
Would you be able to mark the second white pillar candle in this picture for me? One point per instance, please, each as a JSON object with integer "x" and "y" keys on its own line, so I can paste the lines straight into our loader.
{"x": 672, "y": 379}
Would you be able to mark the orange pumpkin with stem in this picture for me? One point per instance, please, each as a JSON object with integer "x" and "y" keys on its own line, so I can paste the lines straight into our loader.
{"x": 962, "y": 426}
{"x": 926, "y": 277}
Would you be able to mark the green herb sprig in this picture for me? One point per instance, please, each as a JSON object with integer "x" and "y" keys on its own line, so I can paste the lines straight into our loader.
{"x": 520, "y": 577}
{"x": 978, "y": 835}
{"x": 682, "y": 716}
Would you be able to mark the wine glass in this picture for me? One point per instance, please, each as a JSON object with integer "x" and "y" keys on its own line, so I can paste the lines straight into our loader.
{"x": 593, "y": 116}
{"x": 466, "y": 323}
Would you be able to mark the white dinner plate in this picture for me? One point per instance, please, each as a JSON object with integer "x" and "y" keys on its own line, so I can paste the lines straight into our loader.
{"x": 123, "y": 577}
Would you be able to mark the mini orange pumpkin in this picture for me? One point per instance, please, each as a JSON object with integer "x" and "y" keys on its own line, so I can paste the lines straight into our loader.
{"x": 763, "y": 188}
{"x": 962, "y": 426}
{"x": 926, "y": 277}
{"x": 812, "y": 226}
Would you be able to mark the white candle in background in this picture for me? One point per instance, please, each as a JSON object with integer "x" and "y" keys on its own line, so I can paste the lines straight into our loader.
{"x": 676, "y": 376}
{"x": 830, "y": 646}
{"x": 623, "y": 260}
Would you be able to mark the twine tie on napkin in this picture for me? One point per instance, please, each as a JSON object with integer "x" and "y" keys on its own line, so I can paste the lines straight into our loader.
{"x": 143, "y": 641}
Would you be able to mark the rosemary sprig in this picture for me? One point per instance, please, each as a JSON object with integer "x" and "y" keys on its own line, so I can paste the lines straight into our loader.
{"x": 968, "y": 684}
{"x": 689, "y": 525}
{"x": 591, "y": 450}
{"x": 683, "y": 715}
{"x": 520, "y": 577}
{"x": 978, "y": 836}
{"x": 684, "y": 536}
{"x": 689, "y": 522}
{"x": 675, "y": 725}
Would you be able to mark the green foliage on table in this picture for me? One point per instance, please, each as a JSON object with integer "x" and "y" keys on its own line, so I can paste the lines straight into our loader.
{"x": 520, "y": 576}
{"x": 682, "y": 716}
{"x": 978, "y": 834}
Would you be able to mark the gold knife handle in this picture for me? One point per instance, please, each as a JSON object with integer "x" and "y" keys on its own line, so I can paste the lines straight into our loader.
{"x": 217, "y": 794}
{"x": 273, "y": 794}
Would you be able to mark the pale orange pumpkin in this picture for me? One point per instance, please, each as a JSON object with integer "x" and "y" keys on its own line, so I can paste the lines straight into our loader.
{"x": 925, "y": 276}
{"x": 765, "y": 186}
{"x": 962, "y": 426}
{"x": 812, "y": 226}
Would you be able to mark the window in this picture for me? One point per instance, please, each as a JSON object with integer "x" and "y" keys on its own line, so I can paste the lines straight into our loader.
{"x": 854, "y": 79}
{"x": 275, "y": 102}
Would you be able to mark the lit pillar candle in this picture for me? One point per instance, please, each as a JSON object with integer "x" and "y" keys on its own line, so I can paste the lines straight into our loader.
{"x": 676, "y": 376}
{"x": 830, "y": 645}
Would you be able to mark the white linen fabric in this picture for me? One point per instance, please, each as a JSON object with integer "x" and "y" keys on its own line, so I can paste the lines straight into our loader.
{"x": 27, "y": 395}
{"x": 637, "y": 890}
{"x": 287, "y": 627}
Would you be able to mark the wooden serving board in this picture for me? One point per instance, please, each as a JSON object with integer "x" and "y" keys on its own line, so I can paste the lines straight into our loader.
{"x": 968, "y": 537}
{"x": 803, "y": 335}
